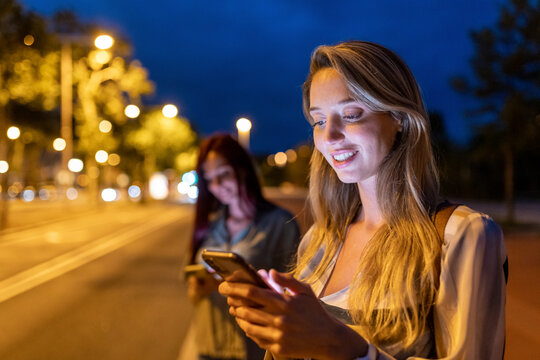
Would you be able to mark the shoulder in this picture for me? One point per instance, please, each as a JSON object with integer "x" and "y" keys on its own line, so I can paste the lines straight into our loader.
{"x": 472, "y": 231}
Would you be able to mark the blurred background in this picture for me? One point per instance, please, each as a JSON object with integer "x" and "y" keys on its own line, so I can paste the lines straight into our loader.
{"x": 103, "y": 105}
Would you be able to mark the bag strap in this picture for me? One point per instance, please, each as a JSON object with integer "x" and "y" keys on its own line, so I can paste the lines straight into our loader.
{"x": 441, "y": 216}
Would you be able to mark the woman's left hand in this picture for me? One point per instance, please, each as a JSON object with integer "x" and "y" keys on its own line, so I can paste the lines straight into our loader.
{"x": 291, "y": 324}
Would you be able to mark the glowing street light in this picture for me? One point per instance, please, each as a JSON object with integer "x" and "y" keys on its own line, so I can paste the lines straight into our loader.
{"x": 132, "y": 111}
{"x": 75, "y": 165}
{"x": 281, "y": 159}
{"x": 101, "y": 156}
{"x": 243, "y": 125}
{"x": 169, "y": 111}
{"x": 4, "y": 166}
{"x": 28, "y": 40}
{"x": 13, "y": 133}
{"x": 105, "y": 126}
{"x": 104, "y": 42}
{"x": 59, "y": 144}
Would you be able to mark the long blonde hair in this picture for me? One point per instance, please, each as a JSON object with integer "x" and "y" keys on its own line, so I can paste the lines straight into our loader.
{"x": 395, "y": 284}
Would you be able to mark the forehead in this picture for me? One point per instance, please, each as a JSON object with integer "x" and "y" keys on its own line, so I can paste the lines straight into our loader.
{"x": 213, "y": 162}
{"x": 328, "y": 86}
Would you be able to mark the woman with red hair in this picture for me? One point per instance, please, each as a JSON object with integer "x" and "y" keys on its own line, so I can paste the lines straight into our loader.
{"x": 233, "y": 215}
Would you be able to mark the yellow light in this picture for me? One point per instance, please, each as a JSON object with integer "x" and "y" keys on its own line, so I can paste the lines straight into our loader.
{"x": 169, "y": 111}
{"x": 83, "y": 180}
{"x": 75, "y": 165}
{"x": 105, "y": 126}
{"x": 104, "y": 42}
{"x": 4, "y": 166}
{"x": 101, "y": 56}
{"x": 101, "y": 156}
{"x": 243, "y": 125}
{"x": 281, "y": 159}
{"x": 28, "y": 40}
{"x": 59, "y": 144}
{"x": 13, "y": 133}
{"x": 291, "y": 155}
{"x": 132, "y": 111}
{"x": 270, "y": 160}
{"x": 114, "y": 159}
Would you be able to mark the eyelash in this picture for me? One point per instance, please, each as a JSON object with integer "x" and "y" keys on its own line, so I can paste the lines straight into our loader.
{"x": 351, "y": 118}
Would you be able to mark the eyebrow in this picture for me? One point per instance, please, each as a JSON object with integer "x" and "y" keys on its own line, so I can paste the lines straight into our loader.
{"x": 342, "y": 102}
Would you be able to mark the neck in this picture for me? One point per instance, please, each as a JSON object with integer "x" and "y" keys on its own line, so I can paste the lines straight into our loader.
{"x": 371, "y": 213}
{"x": 239, "y": 212}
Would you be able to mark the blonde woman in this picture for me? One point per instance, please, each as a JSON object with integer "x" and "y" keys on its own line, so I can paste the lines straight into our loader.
{"x": 373, "y": 279}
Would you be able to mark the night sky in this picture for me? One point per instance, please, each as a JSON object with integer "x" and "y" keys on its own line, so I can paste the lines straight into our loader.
{"x": 219, "y": 60}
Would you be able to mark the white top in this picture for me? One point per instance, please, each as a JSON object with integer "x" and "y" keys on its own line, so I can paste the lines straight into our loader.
{"x": 469, "y": 313}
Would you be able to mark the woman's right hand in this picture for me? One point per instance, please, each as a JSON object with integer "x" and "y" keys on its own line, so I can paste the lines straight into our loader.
{"x": 290, "y": 324}
{"x": 201, "y": 286}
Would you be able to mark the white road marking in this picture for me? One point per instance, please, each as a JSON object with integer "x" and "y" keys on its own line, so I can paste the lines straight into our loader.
{"x": 51, "y": 269}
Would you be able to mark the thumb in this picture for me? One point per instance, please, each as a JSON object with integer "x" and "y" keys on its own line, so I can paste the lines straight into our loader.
{"x": 293, "y": 286}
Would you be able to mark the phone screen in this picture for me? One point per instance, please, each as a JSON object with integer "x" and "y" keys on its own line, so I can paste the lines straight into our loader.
{"x": 230, "y": 265}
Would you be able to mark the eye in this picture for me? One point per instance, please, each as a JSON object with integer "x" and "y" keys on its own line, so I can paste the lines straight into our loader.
{"x": 319, "y": 123}
{"x": 352, "y": 117}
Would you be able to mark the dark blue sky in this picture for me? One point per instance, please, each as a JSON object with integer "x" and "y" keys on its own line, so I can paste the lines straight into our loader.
{"x": 219, "y": 60}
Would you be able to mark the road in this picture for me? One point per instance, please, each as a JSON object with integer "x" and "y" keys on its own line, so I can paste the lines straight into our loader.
{"x": 103, "y": 283}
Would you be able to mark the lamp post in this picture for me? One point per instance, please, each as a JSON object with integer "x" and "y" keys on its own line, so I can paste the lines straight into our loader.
{"x": 244, "y": 126}
{"x": 102, "y": 42}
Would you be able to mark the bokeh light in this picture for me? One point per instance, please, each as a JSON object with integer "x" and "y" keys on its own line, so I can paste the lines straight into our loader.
{"x": 169, "y": 111}
{"x": 13, "y": 133}
{"x": 28, "y": 194}
{"x": 101, "y": 156}
{"x": 29, "y": 40}
{"x": 4, "y": 166}
{"x": 109, "y": 194}
{"x": 158, "y": 186}
{"x": 101, "y": 56}
{"x": 132, "y": 111}
{"x": 114, "y": 159}
{"x": 193, "y": 192}
{"x": 270, "y": 160}
{"x": 59, "y": 144}
{"x": 243, "y": 125}
{"x": 72, "y": 193}
{"x": 83, "y": 180}
{"x": 93, "y": 172}
{"x": 104, "y": 42}
{"x": 182, "y": 188}
{"x": 105, "y": 126}
{"x": 134, "y": 192}
{"x": 75, "y": 165}
{"x": 291, "y": 155}
{"x": 190, "y": 178}
{"x": 281, "y": 159}
{"x": 122, "y": 180}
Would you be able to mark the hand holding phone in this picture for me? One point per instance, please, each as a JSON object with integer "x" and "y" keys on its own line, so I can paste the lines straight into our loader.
{"x": 231, "y": 266}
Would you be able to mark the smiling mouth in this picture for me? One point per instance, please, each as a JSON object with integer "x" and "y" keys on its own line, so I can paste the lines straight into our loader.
{"x": 344, "y": 156}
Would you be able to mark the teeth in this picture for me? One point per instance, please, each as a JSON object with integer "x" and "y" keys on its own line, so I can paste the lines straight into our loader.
{"x": 344, "y": 156}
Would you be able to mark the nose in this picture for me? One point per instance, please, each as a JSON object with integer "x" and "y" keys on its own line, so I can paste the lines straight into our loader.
{"x": 334, "y": 129}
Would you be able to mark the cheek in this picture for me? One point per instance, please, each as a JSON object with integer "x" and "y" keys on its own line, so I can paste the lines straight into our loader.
{"x": 318, "y": 140}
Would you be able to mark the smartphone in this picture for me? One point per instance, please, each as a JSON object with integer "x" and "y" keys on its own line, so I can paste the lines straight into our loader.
{"x": 227, "y": 263}
{"x": 197, "y": 270}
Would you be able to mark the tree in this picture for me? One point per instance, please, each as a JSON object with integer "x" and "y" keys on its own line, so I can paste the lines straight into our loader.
{"x": 28, "y": 75}
{"x": 164, "y": 143}
{"x": 506, "y": 67}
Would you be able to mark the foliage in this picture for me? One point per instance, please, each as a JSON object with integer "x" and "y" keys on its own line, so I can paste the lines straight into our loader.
{"x": 170, "y": 141}
{"x": 506, "y": 82}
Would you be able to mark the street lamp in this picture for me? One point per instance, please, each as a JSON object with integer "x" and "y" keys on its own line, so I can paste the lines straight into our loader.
{"x": 169, "y": 111}
{"x": 243, "y": 125}
{"x": 102, "y": 42}
{"x": 132, "y": 111}
{"x": 13, "y": 133}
